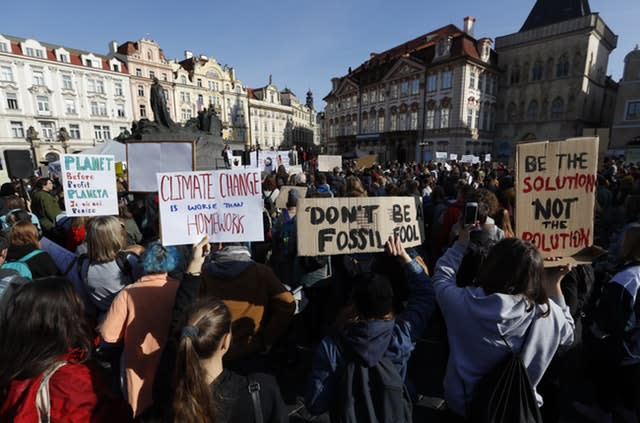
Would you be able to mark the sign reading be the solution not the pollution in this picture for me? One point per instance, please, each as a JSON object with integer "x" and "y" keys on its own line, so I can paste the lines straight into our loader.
{"x": 328, "y": 226}
{"x": 89, "y": 183}
{"x": 556, "y": 195}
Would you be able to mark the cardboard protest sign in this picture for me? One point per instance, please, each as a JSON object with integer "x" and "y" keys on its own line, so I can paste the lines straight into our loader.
{"x": 146, "y": 158}
{"x": 555, "y": 194}
{"x": 224, "y": 204}
{"x": 329, "y": 226}
{"x": 89, "y": 182}
{"x": 365, "y": 162}
{"x": 281, "y": 201}
{"x": 327, "y": 163}
{"x": 441, "y": 156}
{"x": 453, "y": 156}
{"x": 268, "y": 161}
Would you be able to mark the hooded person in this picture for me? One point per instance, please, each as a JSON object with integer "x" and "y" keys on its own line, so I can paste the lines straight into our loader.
{"x": 261, "y": 307}
{"x": 373, "y": 331}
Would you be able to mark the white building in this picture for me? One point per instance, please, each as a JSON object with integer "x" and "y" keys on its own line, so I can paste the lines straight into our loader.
{"x": 70, "y": 98}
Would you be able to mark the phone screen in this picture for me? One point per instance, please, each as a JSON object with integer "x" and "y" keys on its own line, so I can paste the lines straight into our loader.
{"x": 470, "y": 213}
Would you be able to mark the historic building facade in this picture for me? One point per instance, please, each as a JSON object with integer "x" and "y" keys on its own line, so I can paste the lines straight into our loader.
{"x": 200, "y": 82}
{"x": 625, "y": 131}
{"x": 435, "y": 93}
{"x": 554, "y": 82}
{"x": 279, "y": 120}
{"x": 55, "y": 99}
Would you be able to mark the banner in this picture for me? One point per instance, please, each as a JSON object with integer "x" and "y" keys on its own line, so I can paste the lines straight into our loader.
{"x": 89, "y": 183}
{"x": 329, "y": 226}
{"x": 453, "y": 157}
{"x": 224, "y": 204}
{"x": 146, "y": 158}
{"x": 281, "y": 201}
{"x": 327, "y": 163}
{"x": 555, "y": 194}
{"x": 268, "y": 161}
{"x": 467, "y": 158}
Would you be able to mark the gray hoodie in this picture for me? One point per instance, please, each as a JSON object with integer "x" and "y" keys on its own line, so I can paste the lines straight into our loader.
{"x": 474, "y": 324}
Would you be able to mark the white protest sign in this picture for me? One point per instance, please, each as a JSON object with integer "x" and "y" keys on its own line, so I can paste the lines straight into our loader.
{"x": 328, "y": 226}
{"x": 226, "y": 205}
{"x": 89, "y": 183}
{"x": 268, "y": 161}
{"x": 487, "y": 157}
{"x": 441, "y": 156}
{"x": 555, "y": 195}
{"x": 467, "y": 158}
{"x": 326, "y": 163}
{"x": 453, "y": 156}
{"x": 146, "y": 158}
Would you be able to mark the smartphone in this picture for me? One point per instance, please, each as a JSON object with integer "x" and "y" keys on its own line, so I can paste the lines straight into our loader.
{"x": 470, "y": 213}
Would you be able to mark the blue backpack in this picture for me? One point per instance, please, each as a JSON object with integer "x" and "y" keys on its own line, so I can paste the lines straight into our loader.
{"x": 21, "y": 266}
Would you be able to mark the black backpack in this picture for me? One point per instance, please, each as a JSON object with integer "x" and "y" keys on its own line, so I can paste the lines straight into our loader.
{"x": 505, "y": 394}
{"x": 374, "y": 394}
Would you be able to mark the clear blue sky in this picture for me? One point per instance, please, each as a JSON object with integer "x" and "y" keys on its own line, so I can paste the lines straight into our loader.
{"x": 302, "y": 43}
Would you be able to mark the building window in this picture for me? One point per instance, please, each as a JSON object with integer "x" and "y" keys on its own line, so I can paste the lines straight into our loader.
{"x": 562, "y": 67}
{"x": 47, "y": 130}
{"x": 140, "y": 91}
{"x": 38, "y": 78}
{"x": 70, "y": 107}
{"x": 413, "y": 120}
{"x": 98, "y": 108}
{"x": 557, "y": 108}
{"x": 64, "y": 58}
{"x": 432, "y": 83}
{"x": 164, "y": 77}
{"x": 199, "y": 82}
{"x": 404, "y": 88}
{"x": 99, "y": 86}
{"x": 470, "y": 118}
{"x": 633, "y": 110}
{"x": 381, "y": 123}
{"x": 30, "y": 52}
{"x": 446, "y": 79}
{"x": 514, "y": 77}
{"x": 43, "y": 104}
{"x": 143, "y": 111}
{"x": 393, "y": 91}
{"x": 186, "y": 114}
{"x": 415, "y": 86}
{"x": 430, "y": 118}
{"x": 152, "y": 74}
{"x": 532, "y": 111}
{"x": 102, "y": 133}
{"x": 118, "y": 89}
{"x": 472, "y": 79}
{"x": 74, "y": 131}
{"x": 537, "y": 71}
{"x": 444, "y": 118}
{"x": 12, "y": 101}
{"x": 116, "y": 67}
{"x": 17, "y": 130}
{"x": 4, "y": 48}
{"x": 6, "y": 74}
{"x": 66, "y": 82}
{"x": 120, "y": 111}
{"x": 138, "y": 72}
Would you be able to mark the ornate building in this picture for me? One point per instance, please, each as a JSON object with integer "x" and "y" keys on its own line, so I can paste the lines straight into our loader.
{"x": 278, "y": 119}
{"x": 626, "y": 122}
{"x": 554, "y": 82}
{"x": 55, "y": 99}
{"x": 200, "y": 83}
{"x": 434, "y": 93}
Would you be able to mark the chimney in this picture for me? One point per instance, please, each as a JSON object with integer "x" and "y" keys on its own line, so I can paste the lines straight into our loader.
{"x": 113, "y": 47}
{"x": 188, "y": 54}
{"x": 469, "y": 22}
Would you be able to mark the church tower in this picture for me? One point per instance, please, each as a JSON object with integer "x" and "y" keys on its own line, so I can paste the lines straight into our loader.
{"x": 554, "y": 82}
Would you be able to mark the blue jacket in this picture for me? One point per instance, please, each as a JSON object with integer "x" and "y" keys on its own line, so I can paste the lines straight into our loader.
{"x": 372, "y": 340}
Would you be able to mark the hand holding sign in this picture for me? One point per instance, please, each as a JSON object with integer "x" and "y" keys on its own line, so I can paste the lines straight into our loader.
{"x": 395, "y": 249}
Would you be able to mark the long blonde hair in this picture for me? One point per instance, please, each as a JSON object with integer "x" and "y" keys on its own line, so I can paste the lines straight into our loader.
{"x": 105, "y": 237}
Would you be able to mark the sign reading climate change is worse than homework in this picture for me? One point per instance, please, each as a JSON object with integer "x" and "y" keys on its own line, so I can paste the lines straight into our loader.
{"x": 226, "y": 205}
{"x": 329, "y": 226}
{"x": 555, "y": 194}
{"x": 89, "y": 183}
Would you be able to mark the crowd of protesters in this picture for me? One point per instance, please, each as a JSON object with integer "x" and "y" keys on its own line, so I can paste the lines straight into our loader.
{"x": 244, "y": 332}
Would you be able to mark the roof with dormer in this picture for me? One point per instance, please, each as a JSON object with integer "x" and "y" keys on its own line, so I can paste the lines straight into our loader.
{"x": 74, "y": 54}
{"x": 547, "y": 12}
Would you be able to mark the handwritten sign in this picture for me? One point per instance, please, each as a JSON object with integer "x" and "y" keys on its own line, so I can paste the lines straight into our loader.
{"x": 224, "y": 204}
{"x": 281, "y": 201}
{"x": 268, "y": 161}
{"x": 326, "y": 163}
{"x": 365, "y": 162}
{"x": 329, "y": 226}
{"x": 555, "y": 194}
{"x": 441, "y": 156}
{"x": 89, "y": 183}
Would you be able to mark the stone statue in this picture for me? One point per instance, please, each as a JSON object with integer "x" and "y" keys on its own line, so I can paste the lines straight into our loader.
{"x": 63, "y": 135}
{"x": 32, "y": 134}
{"x": 159, "y": 105}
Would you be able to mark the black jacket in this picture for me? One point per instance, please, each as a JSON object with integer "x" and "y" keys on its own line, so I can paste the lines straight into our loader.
{"x": 41, "y": 265}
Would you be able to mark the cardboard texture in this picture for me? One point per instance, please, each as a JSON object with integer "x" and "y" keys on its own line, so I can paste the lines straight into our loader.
{"x": 281, "y": 200}
{"x": 89, "y": 182}
{"x": 328, "y": 226}
{"x": 365, "y": 162}
{"x": 327, "y": 163}
{"x": 146, "y": 158}
{"x": 555, "y": 197}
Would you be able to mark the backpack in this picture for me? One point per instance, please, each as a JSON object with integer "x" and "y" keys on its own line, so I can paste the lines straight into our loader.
{"x": 287, "y": 242}
{"x": 21, "y": 266}
{"x": 374, "y": 394}
{"x": 505, "y": 394}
